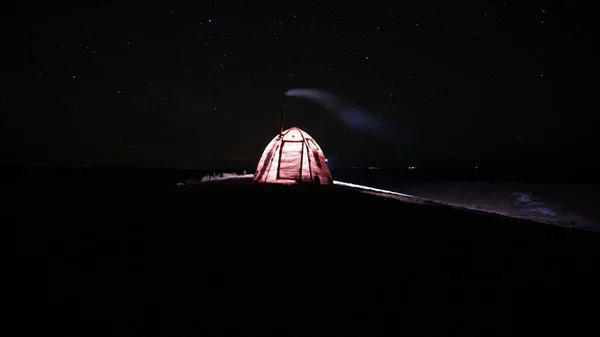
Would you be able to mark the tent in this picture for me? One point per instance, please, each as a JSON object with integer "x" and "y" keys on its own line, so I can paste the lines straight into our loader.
{"x": 293, "y": 156}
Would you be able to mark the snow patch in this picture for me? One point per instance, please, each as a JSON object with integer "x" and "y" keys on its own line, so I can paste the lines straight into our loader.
{"x": 525, "y": 203}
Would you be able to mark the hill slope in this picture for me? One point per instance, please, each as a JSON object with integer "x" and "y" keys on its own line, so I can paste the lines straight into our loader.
{"x": 233, "y": 257}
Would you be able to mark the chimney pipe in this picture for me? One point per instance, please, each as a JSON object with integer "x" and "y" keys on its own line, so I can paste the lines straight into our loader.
{"x": 281, "y": 121}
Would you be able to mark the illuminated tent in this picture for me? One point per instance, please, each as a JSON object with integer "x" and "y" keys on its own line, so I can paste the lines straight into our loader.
{"x": 293, "y": 156}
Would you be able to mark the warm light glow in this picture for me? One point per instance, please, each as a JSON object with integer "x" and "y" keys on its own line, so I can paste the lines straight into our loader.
{"x": 293, "y": 156}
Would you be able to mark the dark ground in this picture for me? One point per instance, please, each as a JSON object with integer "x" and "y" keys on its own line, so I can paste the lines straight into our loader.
{"x": 230, "y": 257}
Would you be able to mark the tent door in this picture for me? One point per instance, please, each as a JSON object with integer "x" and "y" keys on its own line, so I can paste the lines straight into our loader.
{"x": 290, "y": 161}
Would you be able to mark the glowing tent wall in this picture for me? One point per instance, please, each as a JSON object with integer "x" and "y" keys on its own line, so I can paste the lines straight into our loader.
{"x": 293, "y": 157}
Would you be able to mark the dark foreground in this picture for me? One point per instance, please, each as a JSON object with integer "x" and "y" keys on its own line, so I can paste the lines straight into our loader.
{"x": 233, "y": 258}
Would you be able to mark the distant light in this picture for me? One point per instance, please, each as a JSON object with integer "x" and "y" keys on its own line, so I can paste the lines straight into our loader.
{"x": 325, "y": 159}
{"x": 476, "y": 167}
{"x": 412, "y": 167}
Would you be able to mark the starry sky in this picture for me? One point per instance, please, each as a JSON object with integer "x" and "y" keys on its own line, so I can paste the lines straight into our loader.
{"x": 182, "y": 85}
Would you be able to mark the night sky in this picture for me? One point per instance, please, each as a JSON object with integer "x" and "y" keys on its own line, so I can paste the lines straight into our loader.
{"x": 176, "y": 85}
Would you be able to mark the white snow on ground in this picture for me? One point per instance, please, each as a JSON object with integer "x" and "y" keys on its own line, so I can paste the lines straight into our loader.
{"x": 219, "y": 176}
{"x": 373, "y": 189}
{"x": 487, "y": 197}
{"x": 225, "y": 176}
{"x": 341, "y": 183}
{"x": 524, "y": 205}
